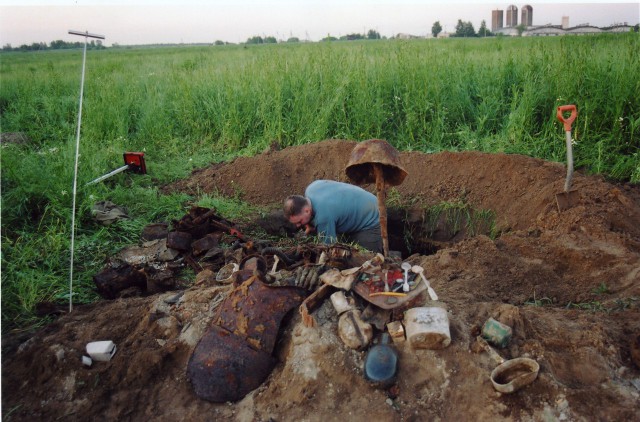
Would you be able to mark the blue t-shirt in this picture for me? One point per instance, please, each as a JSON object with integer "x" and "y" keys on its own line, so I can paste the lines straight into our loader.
{"x": 341, "y": 208}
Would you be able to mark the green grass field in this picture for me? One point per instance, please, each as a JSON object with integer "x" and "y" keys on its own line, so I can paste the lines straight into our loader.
{"x": 186, "y": 107}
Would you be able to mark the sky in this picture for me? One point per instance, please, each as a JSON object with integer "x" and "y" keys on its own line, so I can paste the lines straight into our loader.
{"x": 136, "y": 22}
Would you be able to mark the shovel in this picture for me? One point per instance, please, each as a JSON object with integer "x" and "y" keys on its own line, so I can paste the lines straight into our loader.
{"x": 568, "y": 198}
{"x": 133, "y": 161}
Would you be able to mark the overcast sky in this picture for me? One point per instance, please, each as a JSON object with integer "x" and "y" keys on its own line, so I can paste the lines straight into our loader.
{"x": 192, "y": 21}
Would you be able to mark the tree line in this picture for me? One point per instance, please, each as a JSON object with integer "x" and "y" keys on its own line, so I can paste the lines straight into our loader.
{"x": 371, "y": 35}
{"x": 55, "y": 45}
{"x": 463, "y": 29}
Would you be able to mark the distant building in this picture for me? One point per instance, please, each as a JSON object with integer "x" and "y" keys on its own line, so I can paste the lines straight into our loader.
{"x": 557, "y": 30}
{"x": 512, "y": 16}
{"x": 510, "y": 29}
{"x": 527, "y": 16}
{"x": 403, "y": 36}
{"x": 496, "y": 20}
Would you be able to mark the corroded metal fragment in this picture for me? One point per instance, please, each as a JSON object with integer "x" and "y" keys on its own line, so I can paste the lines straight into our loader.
{"x": 224, "y": 368}
{"x": 254, "y": 310}
{"x": 234, "y": 355}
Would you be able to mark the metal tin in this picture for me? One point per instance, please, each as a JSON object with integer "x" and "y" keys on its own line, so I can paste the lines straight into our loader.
{"x": 427, "y": 327}
{"x": 496, "y": 333}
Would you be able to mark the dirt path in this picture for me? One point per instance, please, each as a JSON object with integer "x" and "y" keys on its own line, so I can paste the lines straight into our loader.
{"x": 567, "y": 283}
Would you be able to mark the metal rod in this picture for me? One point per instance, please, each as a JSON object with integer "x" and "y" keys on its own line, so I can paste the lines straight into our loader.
{"x": 75, "y": 168}
{"x": 86, "y": 34}
{"x": 567, "y": 182}
{"x": 113, "y": 173}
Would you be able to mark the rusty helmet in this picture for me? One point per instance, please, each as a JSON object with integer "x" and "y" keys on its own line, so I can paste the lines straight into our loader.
{"x": 375, "y": 151}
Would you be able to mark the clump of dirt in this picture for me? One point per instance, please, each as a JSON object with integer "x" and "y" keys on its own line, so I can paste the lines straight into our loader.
{"x": 568, "y": 283}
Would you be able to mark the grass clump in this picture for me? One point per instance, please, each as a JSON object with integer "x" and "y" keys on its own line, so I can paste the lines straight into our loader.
{"x": 426, "y": 225}
{"x": 452, "y": 218}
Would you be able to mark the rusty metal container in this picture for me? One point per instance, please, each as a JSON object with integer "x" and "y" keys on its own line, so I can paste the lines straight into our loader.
{"x": 179, "y": 240}
{"x": 204, "y": 244}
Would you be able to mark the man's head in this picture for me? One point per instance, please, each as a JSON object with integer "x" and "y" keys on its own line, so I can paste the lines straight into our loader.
{"x": 298, "y": 210}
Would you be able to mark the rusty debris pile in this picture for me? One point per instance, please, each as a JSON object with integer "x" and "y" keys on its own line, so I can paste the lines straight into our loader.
{"x": 213, "y": 248}
{"x": 370, "y": 293}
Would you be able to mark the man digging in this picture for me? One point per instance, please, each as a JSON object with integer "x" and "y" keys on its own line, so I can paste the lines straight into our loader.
{"x": 336, "y": 209}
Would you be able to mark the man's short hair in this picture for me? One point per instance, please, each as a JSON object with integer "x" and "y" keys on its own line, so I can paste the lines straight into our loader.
{"x": 293, "y": 205}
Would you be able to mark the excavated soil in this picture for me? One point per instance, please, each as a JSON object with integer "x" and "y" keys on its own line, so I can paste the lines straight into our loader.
{"x": 568, "y": 283}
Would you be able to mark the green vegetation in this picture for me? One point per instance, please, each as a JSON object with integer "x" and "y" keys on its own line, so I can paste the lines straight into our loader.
{"x": 189, "y": 106}
{"x": 55, "y": 45}
{"x": 443, "y": 221}
{"x": 618, "y": 305}
{"x": 601, "y": 289}
{"x": 453, "y": 217}
{"x": 593, "y": 306}
{"x": 538, "y": 302}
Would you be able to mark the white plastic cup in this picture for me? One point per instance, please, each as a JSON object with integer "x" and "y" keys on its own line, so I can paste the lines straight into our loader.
{"x": 101, "y": 351}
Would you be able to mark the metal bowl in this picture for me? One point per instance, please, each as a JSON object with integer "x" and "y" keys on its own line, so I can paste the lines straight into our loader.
{"x": 514, "y": 374}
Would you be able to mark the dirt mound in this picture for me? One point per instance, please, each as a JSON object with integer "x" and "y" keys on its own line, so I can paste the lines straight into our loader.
{"x": 521, "y": 190}
{"x": 567, "y": 283}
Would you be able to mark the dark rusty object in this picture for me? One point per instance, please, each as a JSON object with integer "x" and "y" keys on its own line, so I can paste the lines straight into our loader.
{"x": 254, "y": 262}
{"x": 235, "y": 354}
{"x": 312, "y": 302}
{"x": 224, "y": 368}
{"x": 254, "y": 311}
{"x": 376, "y": 161}
{"x": 155, "y": 231}
{"x": 179, "y": 240}
{"x": 203, "y": 245}
{"x": 113, "y": 280}
{"x": 195, "y": 265}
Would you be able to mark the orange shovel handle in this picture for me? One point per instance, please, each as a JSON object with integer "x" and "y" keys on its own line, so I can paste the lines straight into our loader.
{"x": 569, "y": 120}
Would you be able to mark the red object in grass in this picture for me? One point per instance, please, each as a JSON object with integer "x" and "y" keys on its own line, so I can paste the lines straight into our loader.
{"x": 135, "y": 161}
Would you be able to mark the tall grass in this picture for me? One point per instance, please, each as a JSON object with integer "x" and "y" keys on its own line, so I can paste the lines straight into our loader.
{"x": 188, "y": 106}
{"x": 496, "y": 94}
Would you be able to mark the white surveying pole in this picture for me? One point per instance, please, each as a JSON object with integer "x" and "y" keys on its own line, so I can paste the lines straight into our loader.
{"x": 86, "y": 36}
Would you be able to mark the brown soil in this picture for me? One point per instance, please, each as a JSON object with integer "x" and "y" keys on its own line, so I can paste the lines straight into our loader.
{"x": 567, "y": 283}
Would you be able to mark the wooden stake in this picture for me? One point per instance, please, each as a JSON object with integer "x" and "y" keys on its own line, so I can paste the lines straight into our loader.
{"x": 381, "y": 189}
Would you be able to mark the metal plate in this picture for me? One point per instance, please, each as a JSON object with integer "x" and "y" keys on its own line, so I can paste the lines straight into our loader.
{"x": 381, "y": 301}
